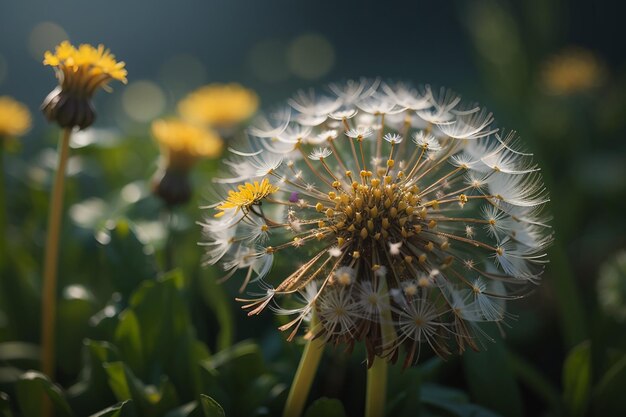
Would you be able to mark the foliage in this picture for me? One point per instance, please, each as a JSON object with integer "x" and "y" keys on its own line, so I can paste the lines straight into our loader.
{"x": 136, "y": 338}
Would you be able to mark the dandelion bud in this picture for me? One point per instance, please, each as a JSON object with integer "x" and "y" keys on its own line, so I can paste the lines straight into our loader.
{"x": 181, "y": 144}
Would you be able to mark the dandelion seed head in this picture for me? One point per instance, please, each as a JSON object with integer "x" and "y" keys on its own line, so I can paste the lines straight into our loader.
{"x": 394, "y": 235}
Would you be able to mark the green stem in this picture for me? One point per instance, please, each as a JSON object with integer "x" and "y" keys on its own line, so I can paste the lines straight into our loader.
{"x": 304, "y": 378}
{"x": 168, "y": 219}
{"x": 3, "y": 204}
{"x": 376, "y": 388}
{"x": 376, "y": 393}
{"x": 49, "y": 292}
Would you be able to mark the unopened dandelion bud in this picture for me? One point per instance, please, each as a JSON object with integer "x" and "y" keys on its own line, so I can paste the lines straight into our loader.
{"x": 172, "y": 186}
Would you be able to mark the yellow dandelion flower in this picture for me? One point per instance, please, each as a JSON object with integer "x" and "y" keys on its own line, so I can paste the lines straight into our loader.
{"x": 247, "y": 196}
{"x": 220, "y": 105}
{"x": 81, "y": 72}
{"x": 571, "y": 71}
{"x": 181, "y": 145}
{"x": 15, "y": 118}
{"x": 183, "y": 142}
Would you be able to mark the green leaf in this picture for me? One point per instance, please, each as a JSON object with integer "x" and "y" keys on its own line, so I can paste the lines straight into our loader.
{"x": 128, "y": 339}
{"x": 490, "y": 379}
{"x": 452, "y": 401}
{"x": 20, "y": 353}
{"x": 608, "y": 397}
{"x": 228, "y": 373}
{"x": 5, "y": 405}
{"x": 123, "y": 409}
{"x": 185, "y": 410}
{"x": 210, "y": 407}
{"x": 118, "y": 382}
{"x": 148, "y": 400}
{"x": 161, "y": 316}
{"x": 31, "y": 389}
{"x": 577, "y": 379}
{"x": 75, "y": 307}
{"x": 216, "y": 298}
{"x": 92, "y": 391}
{"x": 325, "y": 407}
{"x": 534, "y": 379}
{"x": 126, "y": 262}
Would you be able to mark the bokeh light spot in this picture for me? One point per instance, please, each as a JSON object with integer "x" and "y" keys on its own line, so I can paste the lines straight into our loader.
{"x": 44, "y": 37}
{"x": 143, "y": 101}
{"x": 310, "y": 56}
{"x": 268, "y": 60}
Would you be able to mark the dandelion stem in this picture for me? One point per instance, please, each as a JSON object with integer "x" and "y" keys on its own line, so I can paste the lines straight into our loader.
{"x": 377, "y": 374}
{"x": 376, "y": 388}
{"x": 48, "y": 307}
{"x": 304, "y": 377}
{"x": 168, "y": 220}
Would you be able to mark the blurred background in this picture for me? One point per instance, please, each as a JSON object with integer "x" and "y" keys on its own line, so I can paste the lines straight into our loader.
{"x": 555, "y": 71}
